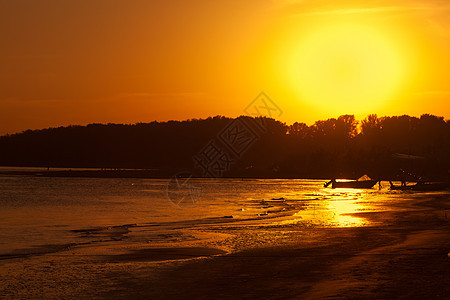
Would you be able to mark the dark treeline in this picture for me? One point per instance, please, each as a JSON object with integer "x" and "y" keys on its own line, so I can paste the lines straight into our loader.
{"x": 342, "y": 147}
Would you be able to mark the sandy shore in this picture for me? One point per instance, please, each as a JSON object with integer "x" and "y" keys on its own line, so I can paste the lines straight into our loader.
{"x": 407, "y": 258}
{"x": 405, "y": 255}
{"x": 363, "y": 264}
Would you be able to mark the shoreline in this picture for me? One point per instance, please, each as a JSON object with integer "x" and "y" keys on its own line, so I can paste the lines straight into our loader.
{"x": 402, "y": 252}
{"x": 407, "y": 258}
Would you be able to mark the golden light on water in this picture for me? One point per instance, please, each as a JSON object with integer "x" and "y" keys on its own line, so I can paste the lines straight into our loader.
{"x": 337, "y": 209}
{"x": 341, "y": 210}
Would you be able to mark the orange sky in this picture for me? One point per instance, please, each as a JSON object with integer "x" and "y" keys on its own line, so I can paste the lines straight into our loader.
{"x": 82, "y": 61}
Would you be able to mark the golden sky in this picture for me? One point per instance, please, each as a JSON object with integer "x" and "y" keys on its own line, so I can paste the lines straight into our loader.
{"x": 84, "y": 61}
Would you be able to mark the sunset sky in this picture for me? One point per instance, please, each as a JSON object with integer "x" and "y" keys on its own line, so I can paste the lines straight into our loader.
{"x": 86, "y": 61}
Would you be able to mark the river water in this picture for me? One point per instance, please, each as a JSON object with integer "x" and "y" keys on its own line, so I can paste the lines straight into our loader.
{"x": 38, "y": 214}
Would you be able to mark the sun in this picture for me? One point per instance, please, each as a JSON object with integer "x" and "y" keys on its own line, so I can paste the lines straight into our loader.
{"x": 344, "y": 68}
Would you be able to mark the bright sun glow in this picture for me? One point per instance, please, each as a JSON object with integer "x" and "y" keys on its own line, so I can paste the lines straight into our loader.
{"x": 344, "y": 68}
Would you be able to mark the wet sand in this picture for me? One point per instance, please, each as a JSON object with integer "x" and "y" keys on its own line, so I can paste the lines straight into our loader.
{"x": 362, "y": 265}
{"x": 403, "y": 255}
{"x": 405, "y": 258}
{"x": 161, "y": 254}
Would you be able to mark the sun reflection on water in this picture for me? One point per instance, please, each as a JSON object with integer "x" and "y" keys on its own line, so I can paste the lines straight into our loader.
{"x": 336, "y": 208}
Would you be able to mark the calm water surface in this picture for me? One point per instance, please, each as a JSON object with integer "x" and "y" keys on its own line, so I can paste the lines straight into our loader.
{"x": 35, "y": 212}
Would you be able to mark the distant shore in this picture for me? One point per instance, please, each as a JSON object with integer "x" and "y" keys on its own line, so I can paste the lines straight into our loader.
{"x": 96, "y": 173}
{"x": 155, "y": 174}
{"x": 127, "y": 173}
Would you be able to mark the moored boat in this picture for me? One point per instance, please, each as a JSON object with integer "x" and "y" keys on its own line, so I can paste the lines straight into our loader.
{"x": 354, "y": 184}
{"x": 421, "y": 186}
{"x": 364, "y": 182}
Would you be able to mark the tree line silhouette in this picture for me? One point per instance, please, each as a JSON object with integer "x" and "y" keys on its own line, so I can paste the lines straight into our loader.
{"x": 337, "y": 147}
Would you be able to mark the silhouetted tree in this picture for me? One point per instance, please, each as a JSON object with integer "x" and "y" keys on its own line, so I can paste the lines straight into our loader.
{"x": 328, "y": 148}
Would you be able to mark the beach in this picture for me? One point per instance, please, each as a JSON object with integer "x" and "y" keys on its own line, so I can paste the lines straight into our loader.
{"x": 282, "y": 240}
{"x": 277, "y": 149}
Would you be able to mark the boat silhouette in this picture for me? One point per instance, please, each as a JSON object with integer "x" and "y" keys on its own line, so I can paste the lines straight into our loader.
{"x": 364, "y": 182}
